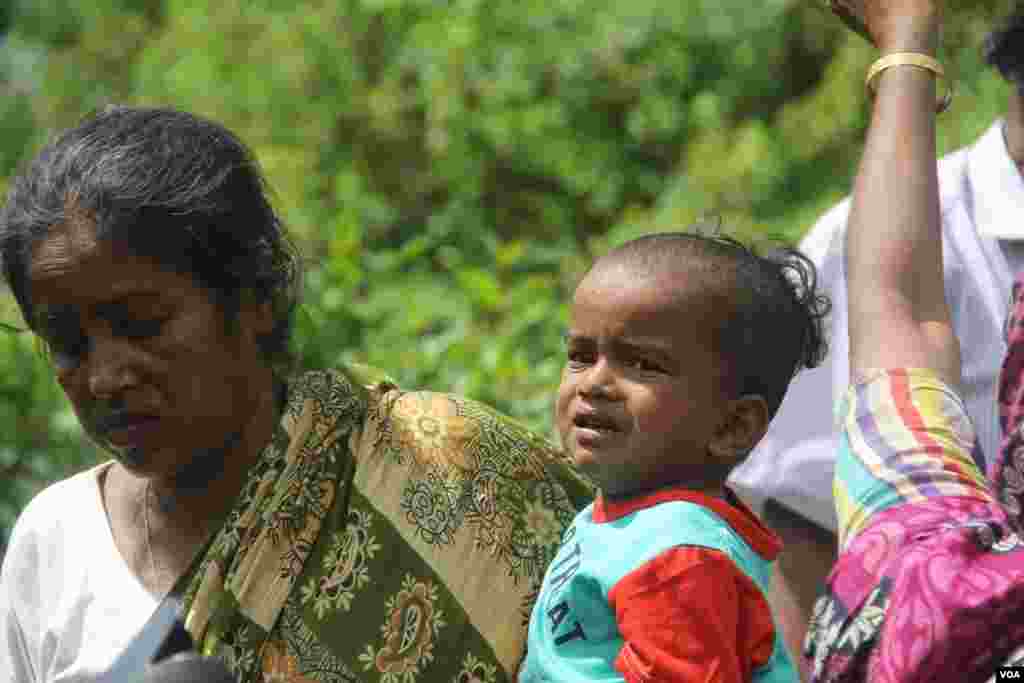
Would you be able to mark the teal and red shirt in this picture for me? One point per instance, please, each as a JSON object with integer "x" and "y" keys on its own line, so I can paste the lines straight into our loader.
{"x": 667, "y": 586}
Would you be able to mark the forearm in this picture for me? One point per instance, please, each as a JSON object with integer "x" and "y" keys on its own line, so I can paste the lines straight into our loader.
{"x": 897, "y": 309}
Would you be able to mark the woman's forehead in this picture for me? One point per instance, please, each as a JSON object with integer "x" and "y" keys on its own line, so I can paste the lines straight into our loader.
{"x": 74, "y": 267}
{"x": 65, "y": 247}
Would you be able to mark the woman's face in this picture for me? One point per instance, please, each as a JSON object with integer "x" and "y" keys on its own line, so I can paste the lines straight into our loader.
{"x": 154, "y": 372}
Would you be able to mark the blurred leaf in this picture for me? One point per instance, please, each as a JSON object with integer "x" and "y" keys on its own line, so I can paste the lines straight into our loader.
{"x": 451, "y": 169}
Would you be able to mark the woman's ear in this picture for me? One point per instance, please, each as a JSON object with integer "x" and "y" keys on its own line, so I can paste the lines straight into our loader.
{"x": 256, "y": 317}
{"x": 744, "y": 425}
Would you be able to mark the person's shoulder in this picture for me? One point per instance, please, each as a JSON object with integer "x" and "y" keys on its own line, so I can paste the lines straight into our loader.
{"x": 59, "y": 496}
{"x": 954, "y": 162}
{"x": 51, "y": 510}
{"x": 952, "y": 170}
{"x": 816, "y": 242}
{"x": 676, "y": 520}
{"x": 471, "y": 436}
{"x": 336, "y": 398}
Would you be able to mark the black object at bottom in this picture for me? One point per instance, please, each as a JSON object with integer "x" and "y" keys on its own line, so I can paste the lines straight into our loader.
{"x": 188, "y": 667}
{"x": 163, "y": 652}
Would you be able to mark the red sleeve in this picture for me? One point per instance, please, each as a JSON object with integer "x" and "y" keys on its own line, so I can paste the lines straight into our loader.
{"x": 691, "y": 615}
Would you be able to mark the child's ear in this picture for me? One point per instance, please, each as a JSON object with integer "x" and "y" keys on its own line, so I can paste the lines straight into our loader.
{"x": 745, "y": 423}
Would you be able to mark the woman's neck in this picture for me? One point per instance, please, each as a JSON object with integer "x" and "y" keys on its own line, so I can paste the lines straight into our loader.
{"x": 203, "y": 493}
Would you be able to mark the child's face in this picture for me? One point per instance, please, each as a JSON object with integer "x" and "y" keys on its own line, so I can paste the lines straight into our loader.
{"x": 643, "y": 390}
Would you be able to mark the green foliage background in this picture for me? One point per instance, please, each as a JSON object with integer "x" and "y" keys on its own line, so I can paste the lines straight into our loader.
{"x": 450, "y": 167}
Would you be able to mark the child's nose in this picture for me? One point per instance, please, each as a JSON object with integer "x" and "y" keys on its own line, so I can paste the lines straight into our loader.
{"x": 598, "y": 381}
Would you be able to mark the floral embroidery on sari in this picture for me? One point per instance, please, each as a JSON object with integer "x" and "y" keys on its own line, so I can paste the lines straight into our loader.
{"x": 383, "y": 536}
{"x": 495, "y": 482}
{"x": 412, "y": 626}
{"x": 345, "y": 566}
{"x": 476, "y": 671}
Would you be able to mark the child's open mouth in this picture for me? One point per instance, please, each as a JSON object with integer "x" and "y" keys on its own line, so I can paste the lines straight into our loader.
{"x": 595, "y": 422}
{"x": 592, "y": 428}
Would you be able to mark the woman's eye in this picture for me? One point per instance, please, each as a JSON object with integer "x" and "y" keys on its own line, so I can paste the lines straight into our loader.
{"x": 66, "y": 346}
{"x": 134, "y": 328}
{"x": 67, "y": 357}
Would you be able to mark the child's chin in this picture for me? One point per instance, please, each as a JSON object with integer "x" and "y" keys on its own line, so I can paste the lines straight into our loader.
{"x": 583, "y": 458}
{"x": 590, "y": 464}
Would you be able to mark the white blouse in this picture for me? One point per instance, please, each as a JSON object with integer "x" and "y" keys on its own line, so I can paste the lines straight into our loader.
{"x": 68, "y": 602}
{"x": 982, "y": 195}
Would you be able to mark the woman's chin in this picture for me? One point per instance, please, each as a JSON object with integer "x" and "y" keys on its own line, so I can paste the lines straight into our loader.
{"x": 129, "y": 456}
{"x": 137, "y": 460}
{"x": 133, "y": 458}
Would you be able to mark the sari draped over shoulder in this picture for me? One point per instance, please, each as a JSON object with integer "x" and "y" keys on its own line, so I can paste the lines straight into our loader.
{"x": 383, "y": 536}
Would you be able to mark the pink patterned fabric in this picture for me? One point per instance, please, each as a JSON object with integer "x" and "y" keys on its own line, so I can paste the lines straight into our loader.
{"x": 925, "y": 593}
{"x": 1007, "y": 470}
{"x": 931, "y": 588}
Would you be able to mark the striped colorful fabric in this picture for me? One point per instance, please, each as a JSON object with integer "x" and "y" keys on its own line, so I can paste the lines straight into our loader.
{"x": 912, "y": 439}
{"x": 929, "y": 583}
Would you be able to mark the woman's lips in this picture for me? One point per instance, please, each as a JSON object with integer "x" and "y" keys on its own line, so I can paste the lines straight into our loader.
{"x": 129, "y": 430}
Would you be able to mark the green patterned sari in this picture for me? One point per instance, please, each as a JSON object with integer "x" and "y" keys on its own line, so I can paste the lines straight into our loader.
{"x": 383, "y": 536}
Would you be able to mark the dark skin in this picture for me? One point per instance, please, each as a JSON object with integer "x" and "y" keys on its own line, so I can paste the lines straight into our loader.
{"x": 808, "y": 554}
{"x": 159, "y": 378}
{"x": 644, "y": 401}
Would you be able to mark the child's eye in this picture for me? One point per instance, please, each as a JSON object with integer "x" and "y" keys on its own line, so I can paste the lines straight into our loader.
{"x": 578, "y": 359}
{"x": 644, "y": 365}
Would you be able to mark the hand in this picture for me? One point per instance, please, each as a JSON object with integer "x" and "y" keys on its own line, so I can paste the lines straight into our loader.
{"x": 894, "y": 25}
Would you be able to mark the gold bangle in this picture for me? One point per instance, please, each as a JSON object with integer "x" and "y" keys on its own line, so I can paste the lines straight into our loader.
{"x": 918, "y": 59}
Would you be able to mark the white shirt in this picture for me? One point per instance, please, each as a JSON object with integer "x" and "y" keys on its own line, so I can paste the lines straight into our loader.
{"x": 982, "y": 197}
{"x": 68, "y": 602}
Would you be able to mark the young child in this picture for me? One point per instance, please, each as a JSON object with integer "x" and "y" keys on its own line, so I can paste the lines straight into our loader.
{"x": 680, "y": 350}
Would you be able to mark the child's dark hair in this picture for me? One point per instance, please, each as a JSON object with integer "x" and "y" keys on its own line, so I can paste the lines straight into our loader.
{"x": 776, "y": 326}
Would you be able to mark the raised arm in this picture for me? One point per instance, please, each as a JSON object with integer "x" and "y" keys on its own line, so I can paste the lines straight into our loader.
{"x": 898, "y": 316}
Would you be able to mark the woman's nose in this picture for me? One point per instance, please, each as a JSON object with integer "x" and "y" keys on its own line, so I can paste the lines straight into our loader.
{"x": 110, "y": 370}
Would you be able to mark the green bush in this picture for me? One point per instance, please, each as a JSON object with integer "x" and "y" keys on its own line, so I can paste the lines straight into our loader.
{"x": 450, "y": 168}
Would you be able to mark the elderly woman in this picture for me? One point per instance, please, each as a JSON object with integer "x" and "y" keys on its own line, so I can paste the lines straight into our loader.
{"x": 929, "y": 585}
{"x": 316, "y": 528}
